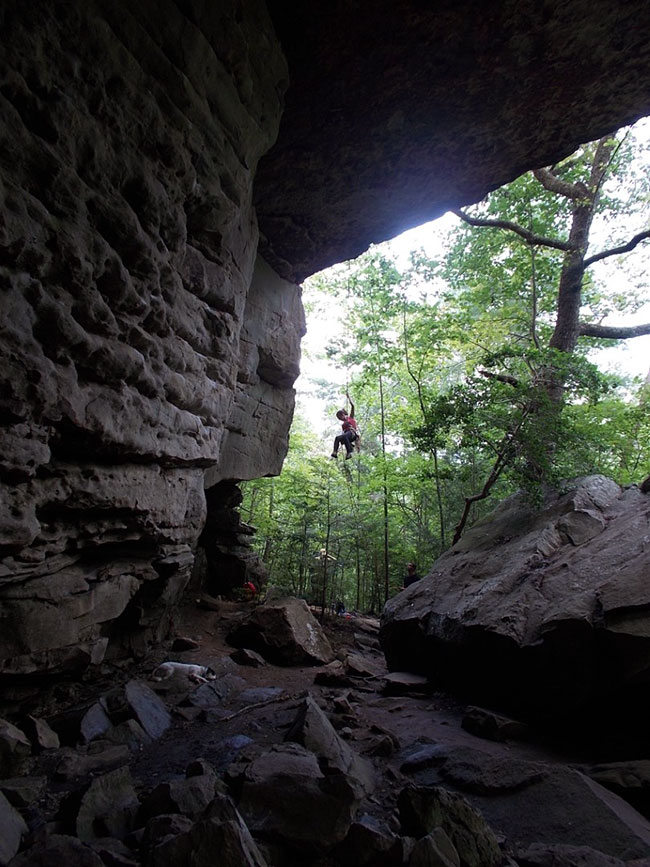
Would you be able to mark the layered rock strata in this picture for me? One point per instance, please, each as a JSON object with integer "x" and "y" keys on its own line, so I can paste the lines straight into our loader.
{"x": 139, "y": 344}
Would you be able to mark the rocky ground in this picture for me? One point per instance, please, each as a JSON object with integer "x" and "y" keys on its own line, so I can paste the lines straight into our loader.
{"x": 332, "y": 764}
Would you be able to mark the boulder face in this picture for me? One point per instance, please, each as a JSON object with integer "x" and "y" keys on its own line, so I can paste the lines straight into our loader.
{"x": 148, "y": 350}
{"x": 541, "y": 612}
{"x": 285, "y": 632}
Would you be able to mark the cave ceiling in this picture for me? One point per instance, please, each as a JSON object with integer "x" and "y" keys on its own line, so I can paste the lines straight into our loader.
{"x": 398, "y": 110}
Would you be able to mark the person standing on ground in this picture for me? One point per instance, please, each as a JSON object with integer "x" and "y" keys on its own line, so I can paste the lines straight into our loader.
{"x": 411, "y": 575}
{"x": 349, "y": 435}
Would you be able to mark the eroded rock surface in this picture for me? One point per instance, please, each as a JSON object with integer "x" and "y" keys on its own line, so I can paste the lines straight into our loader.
{"x": 140, "y": 343}
{"x": 528, "y": 612}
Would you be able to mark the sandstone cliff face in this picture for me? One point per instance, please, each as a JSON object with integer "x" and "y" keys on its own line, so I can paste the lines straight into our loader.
{"x": 134, "y": 355}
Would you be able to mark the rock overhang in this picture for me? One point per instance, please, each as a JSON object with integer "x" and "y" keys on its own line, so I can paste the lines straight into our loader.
{"x": 397, "y": 112}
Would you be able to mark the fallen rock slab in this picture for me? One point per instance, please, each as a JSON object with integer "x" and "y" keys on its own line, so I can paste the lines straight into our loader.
{"x": 552, "y": 804}
{"x": 423, "y": 809}
{"x": 284, "y": 632}
{"x": 12, "y": 829}
{"x": 284, "y": 794}
{"x": 58, "y": 849}
{"x": 312, "y": 729}
{"x": 15, "y": 748}
{"x": 148, "y": 708}
{"x": 108, "y": 807}
{"x": 492, "y": 726}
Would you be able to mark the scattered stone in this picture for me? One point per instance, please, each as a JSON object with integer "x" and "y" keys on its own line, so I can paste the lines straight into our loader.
{"x": 244, "y": 656}
{"x": 367, "y": 641}
{"x": 108, "y": 807}
{"x": 425, "y": 808}
{"x": 227, "y": 750}
{"x": 382, "y": 746}
{"x": 162, "y": 828}
{"x": 148, "y": 708}
{"x": 283, "y": 793}
{"x": 333, "y": 674}
{"x": 313, "y": 730}
{"x": 129, "y": 733}
{"x": 405, "y": 683}
{"x": 220, "y": 834}
{"x": 434, "y": 850}
{"x": 40, "y": 734}
{"x": 189, "y": 714}
{"x": 420, "y": 756}
{"x": 77, "y": 764}
{"x": 359, "y": 665}
{"x": 182, "y": 644}
{"x": 341, "y": 704}
{"x": 59, "y": 850}
{"x": 113, "y": 852}
{"x": 189, "y": 796}
{"x": 12, "y": 829}
{"x": 23, "y": 791}
{"x": 95, "y": 723}
{"x": 213, "y": 694}
{"x": 15, "y": 749}
{"x": 368, "y": 843}
{"x": 492, "y": 726}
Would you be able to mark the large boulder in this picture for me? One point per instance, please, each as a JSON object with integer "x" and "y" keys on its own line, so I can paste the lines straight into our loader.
{"x": 532, "y": 803}
{"x": 12, "y": 829}
{"x": 284, "y": 794}
{"x": 285, "y": 632}
{"x": 539, "y": 611}
{"x": 312, "y": 729}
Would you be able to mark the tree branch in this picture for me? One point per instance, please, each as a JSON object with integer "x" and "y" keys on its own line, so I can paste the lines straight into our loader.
{"x": 616, "y": 251}
{"x": 613, "y": 332}
{"x": 553, "y": 184}
{"x": 501, "y": 377}
{"x": 529, "y": 237}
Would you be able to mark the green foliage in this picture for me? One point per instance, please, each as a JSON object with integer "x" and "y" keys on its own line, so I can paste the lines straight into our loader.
{"x": 450, "y": 369}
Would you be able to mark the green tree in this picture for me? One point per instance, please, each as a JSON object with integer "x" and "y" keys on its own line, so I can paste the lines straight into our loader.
{"x": 518, "y": 274}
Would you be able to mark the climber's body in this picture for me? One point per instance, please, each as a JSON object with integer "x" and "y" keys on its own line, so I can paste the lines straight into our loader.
{"x": 349, "y": 433}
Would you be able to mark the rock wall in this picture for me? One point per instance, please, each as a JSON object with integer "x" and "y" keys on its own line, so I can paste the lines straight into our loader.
{"x": 128, "y": 241}
{"x": 145, "y": 355}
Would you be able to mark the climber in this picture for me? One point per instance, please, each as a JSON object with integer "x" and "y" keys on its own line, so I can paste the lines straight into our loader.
{"x": 350, "y": 433}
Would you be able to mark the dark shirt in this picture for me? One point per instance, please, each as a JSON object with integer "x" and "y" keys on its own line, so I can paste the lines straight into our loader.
{"x": 411, "y": 578}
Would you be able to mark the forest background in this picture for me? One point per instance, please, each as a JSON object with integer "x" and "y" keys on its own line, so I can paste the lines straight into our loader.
{"x": 504, "y": 346}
